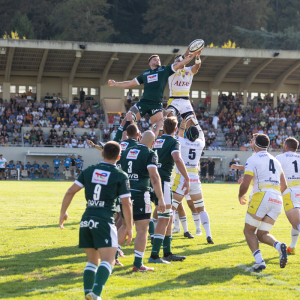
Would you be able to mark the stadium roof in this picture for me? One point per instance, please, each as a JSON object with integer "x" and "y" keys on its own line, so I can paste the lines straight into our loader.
{"x": 57, "y": 58}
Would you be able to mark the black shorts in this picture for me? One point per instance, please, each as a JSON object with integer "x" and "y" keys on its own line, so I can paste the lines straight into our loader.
{"x": 2, "y": 170}
{"x": 211, "y": 173}
{"x": 142, "y": 217}
{"x": 203, "y": 173}
{"x": 56, "y": 168}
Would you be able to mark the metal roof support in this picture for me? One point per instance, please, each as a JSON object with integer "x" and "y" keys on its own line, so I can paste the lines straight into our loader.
{"x": 9, "y": 61}
{"x": 74, "y": 68}
{"x": 42, "y": 66}
{"x": 130, "y": 66}
{"x": 107, "y": 68}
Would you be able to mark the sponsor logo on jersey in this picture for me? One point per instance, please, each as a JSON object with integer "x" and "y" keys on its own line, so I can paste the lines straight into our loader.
{"x": 124, "y": 145}
{"x": 133, "y": 154}
{"x": 181, "y": 83}
{"x": 159, "y": 143}
{"x": 95, "y": 203}
{"x": 100, "y": 176}
{"x": 127, "y": 184}
{"x": 274, "y": 201}
{"x": 297, "y": 195}
{"x": 133, "y": 177}
{"x": 90, "y": 224}
{"x": 152, "y": 78}
{"x": 155, "y": 159}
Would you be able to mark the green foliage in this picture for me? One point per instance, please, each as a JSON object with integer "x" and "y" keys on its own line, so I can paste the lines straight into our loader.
{"x": 40, "y": 261}
{"x": 21, "y": 24}
{"x": 82, "y": 20}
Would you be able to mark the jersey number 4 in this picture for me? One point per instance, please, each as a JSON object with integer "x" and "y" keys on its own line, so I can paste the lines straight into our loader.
{"x": 271, "y": 166}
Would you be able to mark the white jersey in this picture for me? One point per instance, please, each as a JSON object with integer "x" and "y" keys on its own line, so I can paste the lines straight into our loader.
{"x": 191, "y": 154}
{"x": 290, "y": 162}
{"x": 266, "y": 171}
{"x": 180, "y": 82}
{"x": 2, "y": 163}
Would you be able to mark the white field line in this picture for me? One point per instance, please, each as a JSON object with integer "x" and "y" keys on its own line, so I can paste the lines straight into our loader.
{"x": 268, "y": 277}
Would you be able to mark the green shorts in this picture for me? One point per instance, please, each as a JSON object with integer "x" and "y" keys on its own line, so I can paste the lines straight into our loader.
{"x": 139, "y": 204}
{"x": 151, "y": 108}
{"x": 97, "y": 233}
{"x": 167, "y": 191}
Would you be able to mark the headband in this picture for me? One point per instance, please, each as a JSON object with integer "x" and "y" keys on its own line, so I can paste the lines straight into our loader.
{"x": 259, "y": 146}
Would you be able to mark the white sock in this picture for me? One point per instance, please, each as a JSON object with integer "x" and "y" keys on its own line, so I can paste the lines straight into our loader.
{"x": 258, "y": 257}
{"x": 197, "y": 221}
{"x": 174, "y": 212}
{"x": 298, "y": 226}
{"x": 119, "y": 248}
{"x": 183, "y": 221}
{"x": 277, "y": 245}
{"x": 205, "y": 222}
{"x": 295, "y": 236}
{"x": 176, "y": 221}
{"x": 138, "y": 254}
{"x": 154, "y": 221}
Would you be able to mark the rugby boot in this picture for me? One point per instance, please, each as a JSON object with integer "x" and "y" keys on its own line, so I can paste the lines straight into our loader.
{"x": 188, "y": 235}
{"x": 92, "y": 296}
{"x": 174, "y": 257}
{"x": 259, "y": 267}
{"x": 291, "y": 251}
{"x": 142, "y": 269}
{"x": 158, "y": 261}
{"x": 283, "y": 256}
{"x": 209, "y": 240}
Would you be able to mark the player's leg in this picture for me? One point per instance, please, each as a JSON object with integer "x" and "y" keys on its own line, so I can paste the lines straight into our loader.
{"x": 90, "y": 270}
{"x": 133, "y": 115}
{"x": 140, "y": 243}
{"x": 195, "y": 214}
{"x": 158, "y": 120}
{"x": 152, "y": 224}
{"x": 293, "y": 216}
{"x": 176, "y": 221}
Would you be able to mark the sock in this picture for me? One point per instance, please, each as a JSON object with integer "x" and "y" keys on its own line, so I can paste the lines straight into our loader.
{"x": 104, "y": 271}
{"x": 196, "y": 218}
{"x": 173, "y": 211}
{"x": 298, "y": 226}
{"x": 167, "y": 244}
{"x": 127, "y": 123}
{"x": 176, "y": 221}
{"x": 184, "y": 225}
{"x": 205, "y": 222}
{"x": 295, "y": 236}
{"x": 138, "y": 258}
{"x": 157, "y": 241}
{"x": 151, "y": 228}
{"x": 258, "y": 257}
{"x": 277, "y": 245}
{"x": 89, "y": 275}
{"x": 118, "y": 250}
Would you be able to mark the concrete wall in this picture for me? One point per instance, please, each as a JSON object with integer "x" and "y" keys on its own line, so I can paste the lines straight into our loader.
{"x": 92, "y": 156}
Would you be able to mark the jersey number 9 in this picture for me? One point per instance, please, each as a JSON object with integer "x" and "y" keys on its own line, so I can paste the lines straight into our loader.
{"x": 97, "y": 192}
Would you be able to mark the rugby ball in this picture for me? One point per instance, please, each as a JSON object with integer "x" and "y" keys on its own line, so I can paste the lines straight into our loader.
{"x": 196, "y": 46}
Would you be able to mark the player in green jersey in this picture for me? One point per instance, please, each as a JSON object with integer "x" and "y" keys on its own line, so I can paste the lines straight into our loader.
{"x": 154, "y": 80}
{"x": 167, "y": 148}
{"x": 103, "y": 183}
{"x": 140, "y": 163}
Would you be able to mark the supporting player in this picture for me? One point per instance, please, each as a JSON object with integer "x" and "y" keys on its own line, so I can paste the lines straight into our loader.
{"x": 168, "y": 151}
{"x": 36, "y": 169}
{"x": 45, "y": 169}
{"x": 191, "y": 150}
{"x": 103, "y": 183}
{"x": 290, "y": 162}
{"x": 140, "y": 163}
{"x": 266, "y": 203}
{"x": 56, "y": 165}
{"x": 179, "y": 85}
{"x": 154, "y": 80}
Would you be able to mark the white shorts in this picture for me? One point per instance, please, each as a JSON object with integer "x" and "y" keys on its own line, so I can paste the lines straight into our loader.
{"x": 181, "y": 105}
{"x": 265, "y": 203}
{"x": 195, "y": 186}
{"x": 291, "y": 198}
{"x": 166, "y": 188}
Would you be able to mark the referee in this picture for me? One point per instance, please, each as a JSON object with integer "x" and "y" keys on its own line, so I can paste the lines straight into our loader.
{"x": 211, "y": 170}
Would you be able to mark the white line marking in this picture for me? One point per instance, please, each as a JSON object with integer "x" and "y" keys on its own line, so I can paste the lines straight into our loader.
{"x": 268, "y": 277}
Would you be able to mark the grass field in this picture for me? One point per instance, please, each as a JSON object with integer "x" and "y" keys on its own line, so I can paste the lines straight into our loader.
{"x": 40, "y": 261}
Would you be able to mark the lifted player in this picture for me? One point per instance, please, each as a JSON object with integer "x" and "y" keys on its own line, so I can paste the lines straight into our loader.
{"x": 168, "y": 151}
{"x": 266, "y": 202}
{"x": 103, "y": 183}
{"x": 191, "y": 150}
{"x": 154, "y": 80}
{"x": 290, "y": 162}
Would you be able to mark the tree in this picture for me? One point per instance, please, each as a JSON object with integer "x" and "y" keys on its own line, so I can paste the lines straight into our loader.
{"x": 22, "y": 26}
{"x": 82, "y": 20}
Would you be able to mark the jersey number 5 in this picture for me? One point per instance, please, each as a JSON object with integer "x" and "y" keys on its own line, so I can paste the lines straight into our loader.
{"x": 271, "y": 166}
{"x": 97, "y": 192}
{"x": 192, "y": 154}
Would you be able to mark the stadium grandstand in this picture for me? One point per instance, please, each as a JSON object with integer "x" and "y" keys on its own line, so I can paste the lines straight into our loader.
{"x": 55, "y": 95}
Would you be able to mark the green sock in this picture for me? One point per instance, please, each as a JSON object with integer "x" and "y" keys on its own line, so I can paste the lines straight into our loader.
{"x": 151, "y": 228}
{"x": 117, "y": 254}
{"x": 157, "y": 241}
{"x": 104, "y": 271}
{"x": 89, "y": 275}
{"x": 167, "y": 244}
{"x": 138, "y": 258}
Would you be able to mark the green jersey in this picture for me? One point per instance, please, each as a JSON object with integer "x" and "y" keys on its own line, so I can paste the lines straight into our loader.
{"x": 103, "y": 183}
{"x": 165, "y": 146}
{"x": 135, "y": 162}
{"x": 155, "y": 82}
{"x": 126, "y": 144}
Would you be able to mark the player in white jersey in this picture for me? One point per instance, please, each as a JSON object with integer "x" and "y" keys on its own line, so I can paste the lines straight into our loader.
{"x": 179, "y": 85}
{"x": 266, "y": 202}
{"x": 290, "y": 162}
{"x": 191, "y": 150}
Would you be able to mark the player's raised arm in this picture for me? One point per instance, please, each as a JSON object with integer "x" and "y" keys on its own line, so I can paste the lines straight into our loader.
{"x": 66, "y": 202}
{"x": 123, "y": 84}
{"x": 182, "y": 128}
{"x": 197, "y": 65}
{"x": 179, "y": 65}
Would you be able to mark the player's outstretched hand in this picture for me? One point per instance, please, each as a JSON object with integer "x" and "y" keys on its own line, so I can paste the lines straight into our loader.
{"x": 129, "y": 236}
{"x": 111, "y": 82}
{"x": 63, "y": 217}
{"x": 90, "y": 143}
{"x": 240, "y": 180}
{"x": 161, "y": 207}
{"x": 243, "y": 200}
{"x": 233, "y": 167}
{"x": 186, "y": 187}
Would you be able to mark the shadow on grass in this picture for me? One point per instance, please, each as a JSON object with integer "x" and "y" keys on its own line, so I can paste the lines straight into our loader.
{"x": 201, "y": 277}
{"x": 48, "y": 226}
